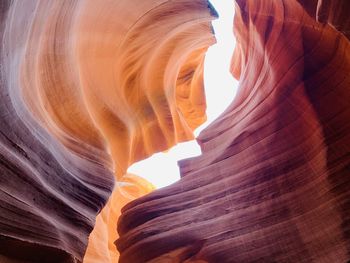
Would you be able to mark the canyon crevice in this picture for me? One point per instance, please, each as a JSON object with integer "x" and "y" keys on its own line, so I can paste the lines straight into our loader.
{"x": 88, "y": 88}
{"x": 272, "y": 184}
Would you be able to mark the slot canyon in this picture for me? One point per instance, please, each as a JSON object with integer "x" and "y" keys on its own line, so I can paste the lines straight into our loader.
{"x": 88, "y": 88}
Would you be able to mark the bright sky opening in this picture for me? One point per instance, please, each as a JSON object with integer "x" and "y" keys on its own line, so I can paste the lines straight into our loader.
{"x": 161, "y": 169}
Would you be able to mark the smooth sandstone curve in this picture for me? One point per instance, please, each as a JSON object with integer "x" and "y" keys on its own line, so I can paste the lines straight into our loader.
{"x": 88, "y": 88}
{"x": 272, "y": 184}
{"x": 50, "y": 195}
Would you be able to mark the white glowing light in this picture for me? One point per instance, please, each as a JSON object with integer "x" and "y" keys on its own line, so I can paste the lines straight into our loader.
{"x": 161, "y": 169}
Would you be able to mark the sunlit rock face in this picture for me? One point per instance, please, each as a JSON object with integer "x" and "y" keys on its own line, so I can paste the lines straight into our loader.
{"x": 272, "y": 184}
{"x": 87, "y": 88}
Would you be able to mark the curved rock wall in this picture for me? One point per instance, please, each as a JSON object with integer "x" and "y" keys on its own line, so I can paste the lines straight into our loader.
{"x": 88, "y": 88}
{"x": 50, "y": 195}
{"x": 272, "y": 184}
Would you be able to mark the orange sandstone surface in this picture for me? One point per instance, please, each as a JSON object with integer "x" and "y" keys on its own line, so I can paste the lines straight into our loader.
{"x": 90, "y": 87}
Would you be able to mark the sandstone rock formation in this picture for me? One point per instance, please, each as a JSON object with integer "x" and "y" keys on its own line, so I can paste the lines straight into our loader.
{"x": 49, "y": 194}
{"x": 273, "y": 182}
{"x": 87, "y": 88}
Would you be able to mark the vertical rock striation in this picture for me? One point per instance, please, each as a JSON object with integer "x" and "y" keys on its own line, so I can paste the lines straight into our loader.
{"x": 272, "y": 184}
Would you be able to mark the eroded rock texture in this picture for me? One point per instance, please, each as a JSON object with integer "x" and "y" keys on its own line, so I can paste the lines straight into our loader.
{"x": 272, "y": 184}
{"x": 87, "y": 88}
{"x": 49, "y": 194}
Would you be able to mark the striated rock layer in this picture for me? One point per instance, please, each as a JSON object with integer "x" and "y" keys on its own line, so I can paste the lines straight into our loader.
{"x": 49, "y": 195}
{"x": 87, "y": 88}
{"x": 272, "y": 184}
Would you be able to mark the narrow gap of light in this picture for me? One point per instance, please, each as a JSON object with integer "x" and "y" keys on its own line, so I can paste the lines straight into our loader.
{"x": 161, "y": 169}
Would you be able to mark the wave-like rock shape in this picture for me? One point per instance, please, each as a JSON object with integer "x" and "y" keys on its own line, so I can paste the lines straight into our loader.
{"x": 273, "y": 182}
{"x": 49, "y": 195}
{"x": 88, "y": 88}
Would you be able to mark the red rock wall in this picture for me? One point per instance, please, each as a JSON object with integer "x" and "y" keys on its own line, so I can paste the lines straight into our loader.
{"x": 272, "y": 184}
